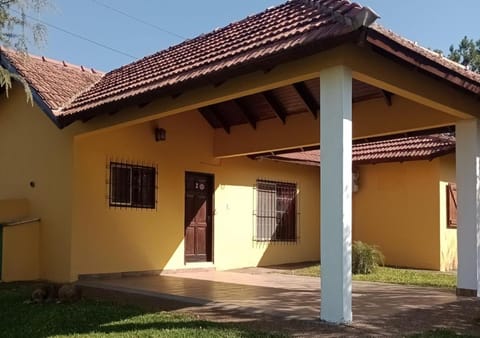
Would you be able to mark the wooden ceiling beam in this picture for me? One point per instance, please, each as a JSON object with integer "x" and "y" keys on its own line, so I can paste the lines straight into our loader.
{"x": 388, "y": 97}
{"x": 213, "y": 111}
{"x": 307, "y": 98}
{"x": 276, "y": 106}
{"x": 205, "y": 113}
{"x": 246, "y": 112}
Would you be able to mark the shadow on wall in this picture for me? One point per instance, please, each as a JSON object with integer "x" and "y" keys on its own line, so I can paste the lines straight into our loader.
{"x": 265, "y": 222}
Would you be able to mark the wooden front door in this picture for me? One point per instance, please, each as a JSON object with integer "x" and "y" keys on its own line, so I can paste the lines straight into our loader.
{"x": 198, "y": 217}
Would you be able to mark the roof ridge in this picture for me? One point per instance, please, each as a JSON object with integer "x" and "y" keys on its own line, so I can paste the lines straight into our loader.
{"x": 365, "y": 16}
{"x": 51, "y": 60}
{"x": 202, "y": 36}
{"x": 356, "y": 15}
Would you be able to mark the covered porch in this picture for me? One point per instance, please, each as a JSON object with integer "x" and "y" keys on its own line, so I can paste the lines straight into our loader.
{"x": 356, "y": 101}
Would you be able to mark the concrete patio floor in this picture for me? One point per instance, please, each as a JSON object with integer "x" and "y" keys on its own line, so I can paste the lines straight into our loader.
{"x": 262, "y": 294}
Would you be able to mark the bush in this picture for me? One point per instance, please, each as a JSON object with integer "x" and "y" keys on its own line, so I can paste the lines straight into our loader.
{"x": 365, "y": 258}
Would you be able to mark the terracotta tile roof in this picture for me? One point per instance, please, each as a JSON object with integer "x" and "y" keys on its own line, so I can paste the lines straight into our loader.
{"x": 292, "y": 30}
{"x": 56, "y": 82}
{"x": 279, "y": 30}
{"x": 425, "y": 147}
{"x": 291, "y": 25}
{"x": 404, "y": 149}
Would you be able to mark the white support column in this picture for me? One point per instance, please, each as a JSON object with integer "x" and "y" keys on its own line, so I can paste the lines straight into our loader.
{"x": 468, "y": 215}
{"x": 336, "y": 194}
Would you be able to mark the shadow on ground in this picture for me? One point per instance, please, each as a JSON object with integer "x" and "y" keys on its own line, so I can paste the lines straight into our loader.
{"x": 19, "y": 319}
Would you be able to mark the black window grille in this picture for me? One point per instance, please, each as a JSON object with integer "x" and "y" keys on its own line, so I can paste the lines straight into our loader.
{"x": 276, "y": 215}
{"x": 132, "y": 185}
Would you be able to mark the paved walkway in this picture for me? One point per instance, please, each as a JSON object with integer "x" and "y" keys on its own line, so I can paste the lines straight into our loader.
{"x": 251, "y": 294}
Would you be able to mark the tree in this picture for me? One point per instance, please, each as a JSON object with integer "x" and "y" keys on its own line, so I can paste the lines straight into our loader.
{"x": 17, "y": 31}
{"x": 467, "y": 53}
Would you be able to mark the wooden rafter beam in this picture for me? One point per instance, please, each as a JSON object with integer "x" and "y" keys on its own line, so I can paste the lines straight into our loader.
{"x": 246, "y": 112}
{"x": 206, "y": 115}
{"x": 367, "y": 97}
{"x": 276, "y": 106}
{"x": 212, "y": 110}
{"x": 388, "y": 97}
{"x": 307, "y": 98}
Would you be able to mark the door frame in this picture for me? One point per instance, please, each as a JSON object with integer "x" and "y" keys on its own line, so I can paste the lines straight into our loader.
{"x": 212, "y": 225}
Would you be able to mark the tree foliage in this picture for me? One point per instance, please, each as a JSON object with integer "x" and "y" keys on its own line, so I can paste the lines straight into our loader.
{"x": 467, "y": 53}
{"x": 18, "y": 30}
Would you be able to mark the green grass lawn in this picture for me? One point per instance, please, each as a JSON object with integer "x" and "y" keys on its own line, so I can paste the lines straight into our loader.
{"x": 392, "y": 275}
{"x": 98, "y": 319}
{"x": 441, "y": 333}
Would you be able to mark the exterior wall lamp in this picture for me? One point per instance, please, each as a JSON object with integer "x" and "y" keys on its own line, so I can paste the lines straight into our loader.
{"x": 160, "y": 134}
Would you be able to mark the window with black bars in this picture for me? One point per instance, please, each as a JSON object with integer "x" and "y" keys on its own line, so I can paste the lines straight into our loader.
{"x": 132, "y": 185}
{"x": 276, "y": 211}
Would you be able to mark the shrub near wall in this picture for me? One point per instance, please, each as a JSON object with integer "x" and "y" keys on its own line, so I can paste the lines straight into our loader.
{"x": 365, "y": 258}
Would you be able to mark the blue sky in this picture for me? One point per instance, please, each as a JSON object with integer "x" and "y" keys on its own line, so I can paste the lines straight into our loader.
{"x": 433, "y": 23}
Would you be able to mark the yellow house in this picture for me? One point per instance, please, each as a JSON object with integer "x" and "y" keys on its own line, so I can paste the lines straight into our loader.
{"x": 146, "y": 168}
{"x": 404, "y": 198}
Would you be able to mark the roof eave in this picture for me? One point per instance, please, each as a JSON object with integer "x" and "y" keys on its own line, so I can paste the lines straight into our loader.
{"x": 384, "y": 44}
{"x": 429, "y": 157}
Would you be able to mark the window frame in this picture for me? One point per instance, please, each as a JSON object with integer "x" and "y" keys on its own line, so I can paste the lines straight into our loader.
{"x": 289, "y": 234}
{"x": 452, "y": 205}
{"x": 133, "y": 185}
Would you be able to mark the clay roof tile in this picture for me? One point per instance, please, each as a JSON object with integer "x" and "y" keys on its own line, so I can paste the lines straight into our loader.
{"x": 56, "y": 82}
{"x": 400, "y": 149}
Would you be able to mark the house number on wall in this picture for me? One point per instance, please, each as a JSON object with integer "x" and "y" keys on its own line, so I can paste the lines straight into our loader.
{"x": 199, "y": 186}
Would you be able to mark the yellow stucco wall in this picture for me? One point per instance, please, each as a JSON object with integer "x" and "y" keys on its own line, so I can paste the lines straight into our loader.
{"x": 13, "y": 209}
{"x": 448, "y": 236}
{"x": 21, "y": 252}
{"x": 106, "y": 240}
{"x": 235, "y": 202}
{"x": 397, "y": 208}
{"x": 33, "y": 149}
{"x": 20, "y": 245}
